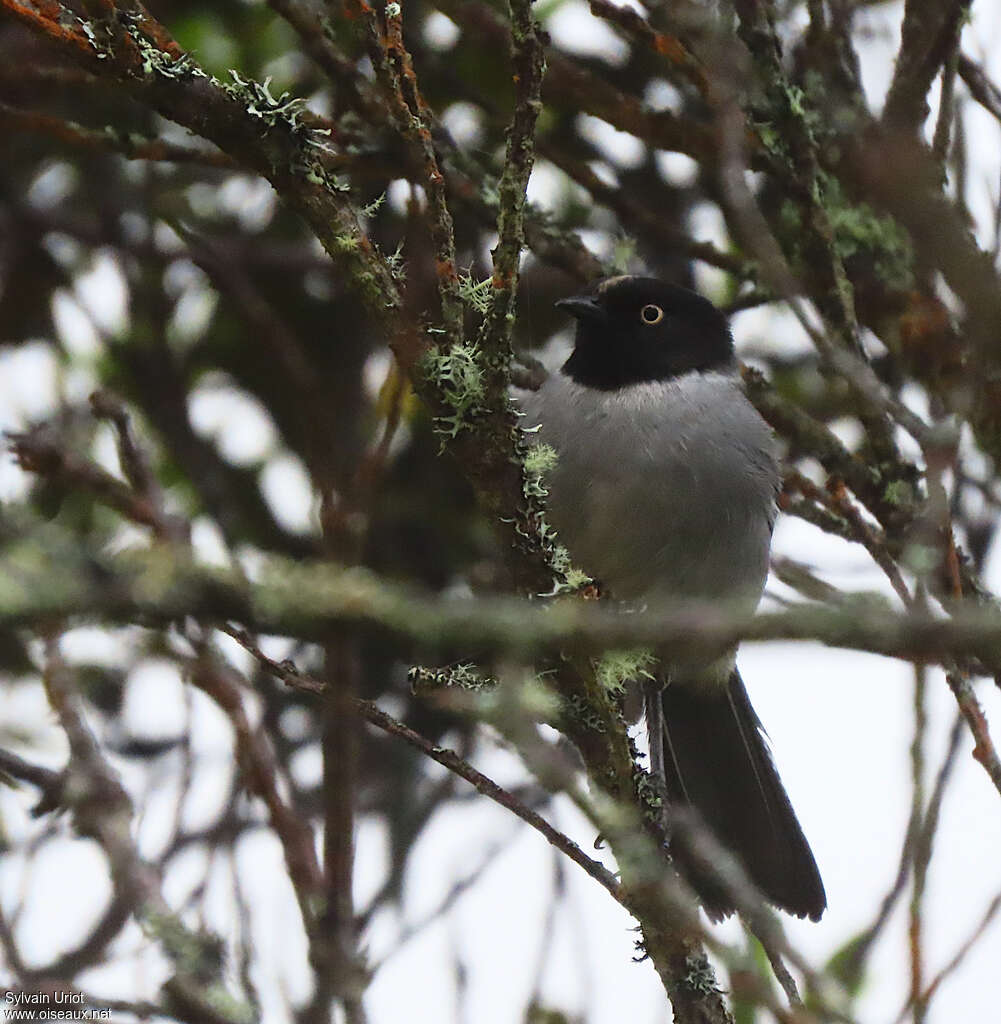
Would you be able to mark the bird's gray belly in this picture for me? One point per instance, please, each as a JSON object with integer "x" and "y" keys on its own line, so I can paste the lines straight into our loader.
{"x": 656, "y": 530}
{"x": 671, "y": 496}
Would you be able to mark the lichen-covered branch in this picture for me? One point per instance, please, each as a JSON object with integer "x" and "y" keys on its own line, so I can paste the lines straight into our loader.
{"x": 273, "y": 136}
{"x": 44, "y": 579}
{"x": 528, "y": 67}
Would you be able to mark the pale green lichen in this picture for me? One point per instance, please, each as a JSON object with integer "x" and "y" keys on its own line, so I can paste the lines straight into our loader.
{"x": 157, "y": 62}
{"x": 463, "y": 676}
{"x": 260, "y": 103}
{"x": 290, "y": 113}
{"x": 538, "y": 460}
{"x": 616, "y": 668}
{"x": 699, "y": 975}
{"x": 623, "y": 254}
{"x": 569, "y": 578}
{"x": 198, "y": 959}
{"x": 88, "y": 31}
{"x": 370, "y": 209}
{"x": 154, "y": 60}
{"x": 858, "y": 231}
{"x": 345, "y": 244}
{"x": 476, "y": 294}
{"x": 458, "y": 377}
{"x": 576, "y": 578}
{"x": 802, "y": 107}
{"x": 771, "y": 139}
{"x": 398, "y": 267}
{"x": 283, "y": 112}
{"x": 899, "y": 493}
{"x": 649, "y": 796}
{"x": 578, "y": 708}
{"x": 856, "y": 228}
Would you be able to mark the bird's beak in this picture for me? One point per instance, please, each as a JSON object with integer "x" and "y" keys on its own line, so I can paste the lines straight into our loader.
{"x": 582, "y": 307}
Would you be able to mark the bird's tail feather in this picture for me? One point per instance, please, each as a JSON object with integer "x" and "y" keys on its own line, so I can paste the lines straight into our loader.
{"x": 716, "y": 760}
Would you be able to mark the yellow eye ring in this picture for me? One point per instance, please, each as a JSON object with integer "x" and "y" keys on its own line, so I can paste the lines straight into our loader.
{"x": 651, "y": 314}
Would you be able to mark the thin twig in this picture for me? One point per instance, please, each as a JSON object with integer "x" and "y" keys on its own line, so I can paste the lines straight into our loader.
{"x": 395, "y": 68}
{"x": 455, "y": 892}
{"x": 445, "y": 757}
{"x": 984, "y": 750}
{"x": 136, "y": 466}
{"x": 837, "y": 501}
{"x": 922, "y": 856}
{"x": 123, "y": 143}
{"x": 950, "y": 968}
{"x": 982, "y": 89}
{"x": 39, "y": 451}
{"x": 260, "y": 776}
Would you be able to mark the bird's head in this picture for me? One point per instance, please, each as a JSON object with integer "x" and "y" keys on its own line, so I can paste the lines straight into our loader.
{"x": 636, "y": 329}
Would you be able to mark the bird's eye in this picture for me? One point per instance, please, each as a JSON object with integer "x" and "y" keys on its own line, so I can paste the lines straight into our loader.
{"x": 651, "y": 314}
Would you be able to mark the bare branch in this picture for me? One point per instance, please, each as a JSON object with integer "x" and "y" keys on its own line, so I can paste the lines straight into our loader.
{"x": 128, "y": 146}
{"x": 447, "y": 758}
{"x": 929, "y": 35}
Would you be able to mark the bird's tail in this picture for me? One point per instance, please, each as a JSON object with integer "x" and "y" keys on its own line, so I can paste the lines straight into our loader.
{"x": 716, "y": 760}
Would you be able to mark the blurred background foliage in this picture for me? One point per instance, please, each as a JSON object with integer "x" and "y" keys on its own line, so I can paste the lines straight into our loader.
{"x": 188, "y": 291}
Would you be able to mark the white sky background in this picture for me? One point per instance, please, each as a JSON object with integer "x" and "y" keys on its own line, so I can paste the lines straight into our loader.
{"x": 840, "y": 725}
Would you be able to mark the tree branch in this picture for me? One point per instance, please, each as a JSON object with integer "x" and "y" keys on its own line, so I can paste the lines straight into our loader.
{"x": 929, "y": 34}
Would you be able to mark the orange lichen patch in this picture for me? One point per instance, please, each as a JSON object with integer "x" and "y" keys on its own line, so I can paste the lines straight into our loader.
{"x": 675, "y": 51}
{"x": 445, "y": 269}
{"x": 356, "y": 9}
{"x": 157, "y": 34}
{"x": 48, "y": 25}
{"x": 670, "y": 46}
{"x": 53, "y": 126}
{"x": 835, "y": 487}
{"x": 924, "y": 314}
{"x": 952, "y": 566}
{"x": 925, "y": 334}
{"x": 981, "y": 751}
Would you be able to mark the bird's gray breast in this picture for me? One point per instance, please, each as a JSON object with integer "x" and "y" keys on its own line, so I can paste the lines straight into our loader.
{"x": 661, "y": 489}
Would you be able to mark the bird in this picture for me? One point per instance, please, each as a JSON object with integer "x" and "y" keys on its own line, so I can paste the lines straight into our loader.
{"x": 665, "y": 488}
